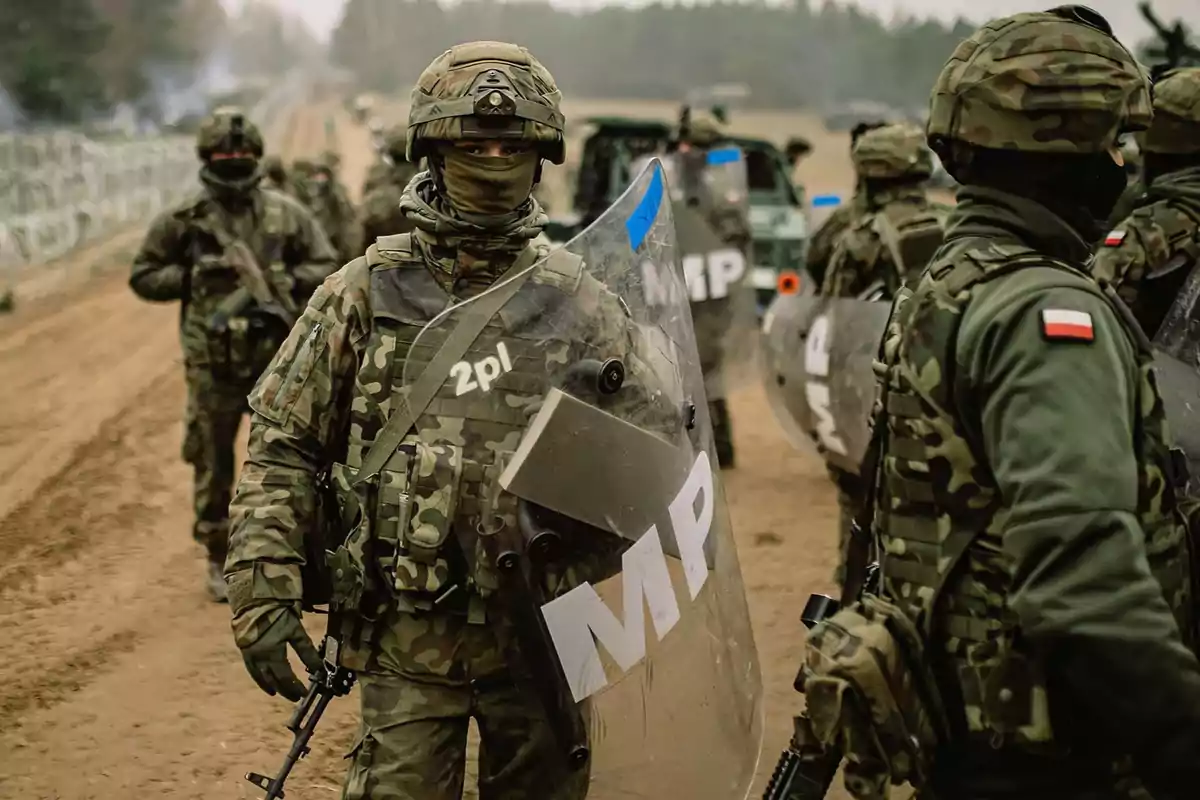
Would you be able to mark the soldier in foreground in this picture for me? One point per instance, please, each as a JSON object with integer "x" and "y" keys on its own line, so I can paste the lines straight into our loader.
{"x": 316, "y": 187}
{"x": 1026, "y": 511}
{"x": 419, "y": 616}
{"x": 1150, "y": 255}
{"x": 240, "y": 260}
{"x": 380, "y": 214}
{"x": 884, "y": 249}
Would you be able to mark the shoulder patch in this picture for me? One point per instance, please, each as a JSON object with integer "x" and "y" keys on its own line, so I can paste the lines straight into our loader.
{"x": 562, "y": 269}
{"x": 1061, "y": 324}
{"x": 1114, "y": 238}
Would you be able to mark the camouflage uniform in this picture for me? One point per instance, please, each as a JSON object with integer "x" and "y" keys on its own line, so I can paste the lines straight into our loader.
{"x": 380, "y": 214}
{"x": 186, "y": 258}
{"x": 316, "y": 187}
{"x": 1150, "y": 255}
{"x": 713, "y": 318}
{"x": 1025, "y": 455}
{"x": 825, "y": 238}
{"x": 900, "y": 223}
{"x": 894, "y": 164}
{"x": 422, "y": 628}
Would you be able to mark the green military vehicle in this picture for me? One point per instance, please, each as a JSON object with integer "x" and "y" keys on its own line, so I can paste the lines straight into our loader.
{"x": 612, "y": 145}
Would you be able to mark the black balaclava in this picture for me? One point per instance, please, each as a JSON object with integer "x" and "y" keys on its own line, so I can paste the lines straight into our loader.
{"x": 1082, "y": 189}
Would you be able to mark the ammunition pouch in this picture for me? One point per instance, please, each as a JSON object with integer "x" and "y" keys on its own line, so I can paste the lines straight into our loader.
{"x": 871, "y": 694}
{"x": 243, "y": 338}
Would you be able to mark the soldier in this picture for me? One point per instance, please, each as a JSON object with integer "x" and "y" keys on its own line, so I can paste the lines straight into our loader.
{"x": 275, "y": 174}
{"x": 715, "y": 316}
{"x": 823, "y": 241}
{"x": 380, "y": 214}
{"x": 902, "y": 228}
{"x": 203, "y": 254}
{"x": 426, "y": 628}
{"x": 1026, "y": 516}
{"x": 886, "y": 247}
{"x": 317, "y": 188}
{"x": 1150, "y": 255}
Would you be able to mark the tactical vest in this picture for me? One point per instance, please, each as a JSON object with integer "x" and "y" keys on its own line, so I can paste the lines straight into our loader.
{"x": 416, "y": 544}
{"x": 912, "y": 235}
{"x": 1152, "y": 295}
{"x": 930, "y": 490}
{"x": 244, "y": 347}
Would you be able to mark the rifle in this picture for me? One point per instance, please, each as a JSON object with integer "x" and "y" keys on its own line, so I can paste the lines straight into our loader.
{"x": 1174, "y": 49}
{"x": 255, "y": 290}
{"x": 805, "y": 769}
{"x": 323, "y": 685}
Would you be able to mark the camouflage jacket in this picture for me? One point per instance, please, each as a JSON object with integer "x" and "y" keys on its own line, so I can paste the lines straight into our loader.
{"x": 825, "y": 238}
{"x": 182, "y": 259}
{"x": 1148, "y": 256}
{"x": 338, "y": 218}
{"x": 330, "y": 390}
{"x": 1025, "y": 430}
{"x": 864, "y": 256}
{"x": 380, "y": 214}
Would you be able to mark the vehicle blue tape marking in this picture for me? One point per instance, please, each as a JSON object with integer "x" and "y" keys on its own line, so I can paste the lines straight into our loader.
{"x": 642, "y": 219}
{"x": 826, "y": 200}
{"x": 726, "y": 155}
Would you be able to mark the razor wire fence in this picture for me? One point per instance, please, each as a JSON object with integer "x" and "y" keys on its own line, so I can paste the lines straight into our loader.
{"x": 60, "y": 190}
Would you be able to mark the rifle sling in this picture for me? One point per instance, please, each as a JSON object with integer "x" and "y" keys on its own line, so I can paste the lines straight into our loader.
{"x": 415, "y": 402}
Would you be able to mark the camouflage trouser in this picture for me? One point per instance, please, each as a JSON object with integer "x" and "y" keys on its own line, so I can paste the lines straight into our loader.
{"x": 431, "y": 674}
{"x": 849, "y": 493}
{"x": 214, "y": 414}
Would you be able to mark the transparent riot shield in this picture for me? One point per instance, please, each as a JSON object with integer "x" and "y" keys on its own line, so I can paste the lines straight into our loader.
{"x": 1177, "y": 368}
{"x": 570, "y": 451}
{"x": 816, "y": 357}
{"x": 711, "y": 206}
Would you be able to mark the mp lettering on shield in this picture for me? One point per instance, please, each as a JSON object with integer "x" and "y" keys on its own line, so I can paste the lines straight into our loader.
{"x": 816, "y": 392}
{"x": 579, "y": 620}
{"x": 711, "y": 276}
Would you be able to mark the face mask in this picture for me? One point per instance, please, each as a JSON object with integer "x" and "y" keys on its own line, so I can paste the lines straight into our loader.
{"x": 233, "y": 169}
{"x": 487, "y": 186}
{"x": 1108, "y": 184}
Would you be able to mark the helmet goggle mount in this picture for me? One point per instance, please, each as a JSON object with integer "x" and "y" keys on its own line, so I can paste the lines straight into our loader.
{"x": 235, "y": 143}
{"x": 491, "y": 109}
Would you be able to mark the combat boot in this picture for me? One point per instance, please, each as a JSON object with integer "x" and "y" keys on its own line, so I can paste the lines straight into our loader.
{"x": 722, "y": 432}
{"x": 215, "y": 538}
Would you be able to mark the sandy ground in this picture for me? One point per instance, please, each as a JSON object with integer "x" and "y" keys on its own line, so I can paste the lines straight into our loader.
{"x": 118, "y": 676}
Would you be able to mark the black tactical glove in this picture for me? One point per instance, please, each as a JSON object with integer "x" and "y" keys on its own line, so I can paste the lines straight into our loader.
{"x": 267, "y": 658}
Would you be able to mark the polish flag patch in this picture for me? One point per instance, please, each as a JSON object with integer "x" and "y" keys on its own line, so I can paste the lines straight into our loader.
{"x": 1059, "y": 324}
{"x": 1114, "y": 238}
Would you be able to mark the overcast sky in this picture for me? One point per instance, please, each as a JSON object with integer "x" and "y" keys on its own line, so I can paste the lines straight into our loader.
{"x": 322, "y": 15}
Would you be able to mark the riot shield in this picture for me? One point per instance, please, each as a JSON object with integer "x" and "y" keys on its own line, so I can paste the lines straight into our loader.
{"x": 816, "y": 356}
{"x": 576, "y": 431}
{"x": 710, "y": 200}
{"x": 1177, "y": 368}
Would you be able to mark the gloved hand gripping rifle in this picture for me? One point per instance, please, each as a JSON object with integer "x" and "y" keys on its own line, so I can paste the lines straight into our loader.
{"x": 327, "y": 683}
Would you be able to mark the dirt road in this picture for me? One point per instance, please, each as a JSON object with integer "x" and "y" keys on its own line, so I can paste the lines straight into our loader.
{"x": 119, "y": 678}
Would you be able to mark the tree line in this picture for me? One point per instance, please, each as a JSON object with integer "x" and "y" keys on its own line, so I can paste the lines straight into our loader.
{"x": 789, "y": 54}
{"x": 66, "y": 61}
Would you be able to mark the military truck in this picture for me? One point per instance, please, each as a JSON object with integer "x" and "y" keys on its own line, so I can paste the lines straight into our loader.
{"x": 777, "y": 207}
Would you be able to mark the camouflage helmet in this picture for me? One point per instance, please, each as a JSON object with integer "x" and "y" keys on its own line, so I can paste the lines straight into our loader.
{"x": 304, "y": 167}
{"x": 227, "y": 130}
{"x": 1176, "y": 126}
{"x": 701, "y": 127}
{"x": 331, "y": 159}
{"x": 486, "y": 90}
{"x": 892, "y": 151}
{"x": 1053, "y": 81}
{"x": 273, "y": 167}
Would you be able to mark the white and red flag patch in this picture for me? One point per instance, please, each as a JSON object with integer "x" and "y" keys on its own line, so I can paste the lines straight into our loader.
{"x": 1061, "y": 323}
{"x": 1114, "y": 238}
